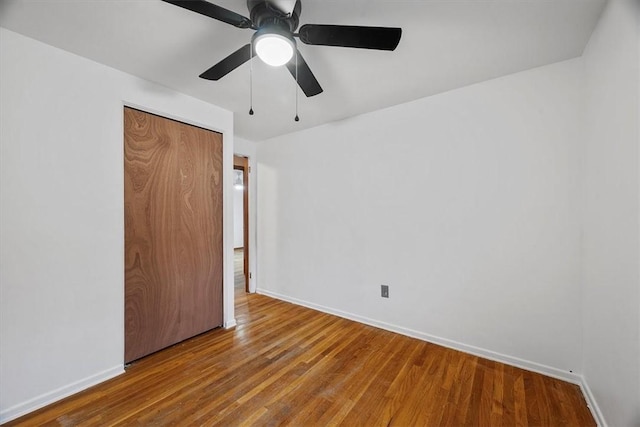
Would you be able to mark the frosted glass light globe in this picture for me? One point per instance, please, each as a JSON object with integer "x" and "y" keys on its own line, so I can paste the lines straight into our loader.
{"x": 274, "y": 49}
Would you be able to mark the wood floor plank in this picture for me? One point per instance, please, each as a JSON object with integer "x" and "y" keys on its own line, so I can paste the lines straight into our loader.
{"x": 497, "y": 395}
{"x": 289, "y": 365}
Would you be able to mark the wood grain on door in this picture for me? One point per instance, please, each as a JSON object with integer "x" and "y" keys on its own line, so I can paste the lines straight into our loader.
{"x": 173, "y": 232}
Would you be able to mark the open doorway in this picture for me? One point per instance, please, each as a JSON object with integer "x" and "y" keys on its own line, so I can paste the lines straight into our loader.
{"x": 241, "y": 223}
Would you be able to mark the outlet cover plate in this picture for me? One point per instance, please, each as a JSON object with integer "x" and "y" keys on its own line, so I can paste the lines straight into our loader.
{"x": 384, "y": 291}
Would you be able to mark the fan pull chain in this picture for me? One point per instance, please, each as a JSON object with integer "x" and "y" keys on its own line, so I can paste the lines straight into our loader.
{"x": 297, "y": 119}
{"x": 251, "y": 80}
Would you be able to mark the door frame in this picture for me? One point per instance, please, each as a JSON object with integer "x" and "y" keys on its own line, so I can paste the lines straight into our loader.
{"x": 242, "y": 163}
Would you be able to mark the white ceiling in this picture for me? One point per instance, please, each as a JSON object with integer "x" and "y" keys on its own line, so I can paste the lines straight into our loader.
{"x": 445, "y": 45}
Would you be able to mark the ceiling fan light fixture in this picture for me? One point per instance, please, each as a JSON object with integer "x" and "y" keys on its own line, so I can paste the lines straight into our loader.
{"x": 274, "y": 49}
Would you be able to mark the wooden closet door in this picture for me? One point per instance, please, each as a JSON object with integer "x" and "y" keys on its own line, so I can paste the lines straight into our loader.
{"x": 173, "y": 232}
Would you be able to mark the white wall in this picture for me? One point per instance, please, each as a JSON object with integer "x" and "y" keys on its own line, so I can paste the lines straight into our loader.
{"x": 612, "y": 215}
{"x": 61, "y": 189}
{"x": 467, "y": 204}
{"x": 238, "y": 216}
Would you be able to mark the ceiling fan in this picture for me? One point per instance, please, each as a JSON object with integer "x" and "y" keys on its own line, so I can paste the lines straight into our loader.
{"x": 274, "y": 38}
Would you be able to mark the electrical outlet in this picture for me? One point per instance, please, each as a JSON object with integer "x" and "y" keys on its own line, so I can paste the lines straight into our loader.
{"x": 384, "y": 291}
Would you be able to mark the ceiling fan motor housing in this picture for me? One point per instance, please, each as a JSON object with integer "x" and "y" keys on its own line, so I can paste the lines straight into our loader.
{"x": 265, "y": 15}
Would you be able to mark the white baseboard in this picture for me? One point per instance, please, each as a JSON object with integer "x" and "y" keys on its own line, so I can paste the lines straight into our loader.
{"x": 592, "y": 404}
{"x": 60, "y": 393}
{"x": 476, "y": 351}
{"x": 230, "y": 324}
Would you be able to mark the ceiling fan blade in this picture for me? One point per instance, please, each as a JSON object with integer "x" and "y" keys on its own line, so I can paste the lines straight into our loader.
{"x": 306, "y": 80}
{"x": 228, "y": 64}
{"x": 213, "y": 11}
{"x": 381, "y": 38}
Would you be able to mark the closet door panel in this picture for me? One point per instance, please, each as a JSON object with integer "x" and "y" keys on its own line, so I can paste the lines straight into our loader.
{"x": 173, "y": 232}
{"x": 200, "y": 237}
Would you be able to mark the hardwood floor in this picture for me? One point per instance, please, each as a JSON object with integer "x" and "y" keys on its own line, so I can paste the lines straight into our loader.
{"x": 238, "y": 267}
{"x": 285, "y": 364}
